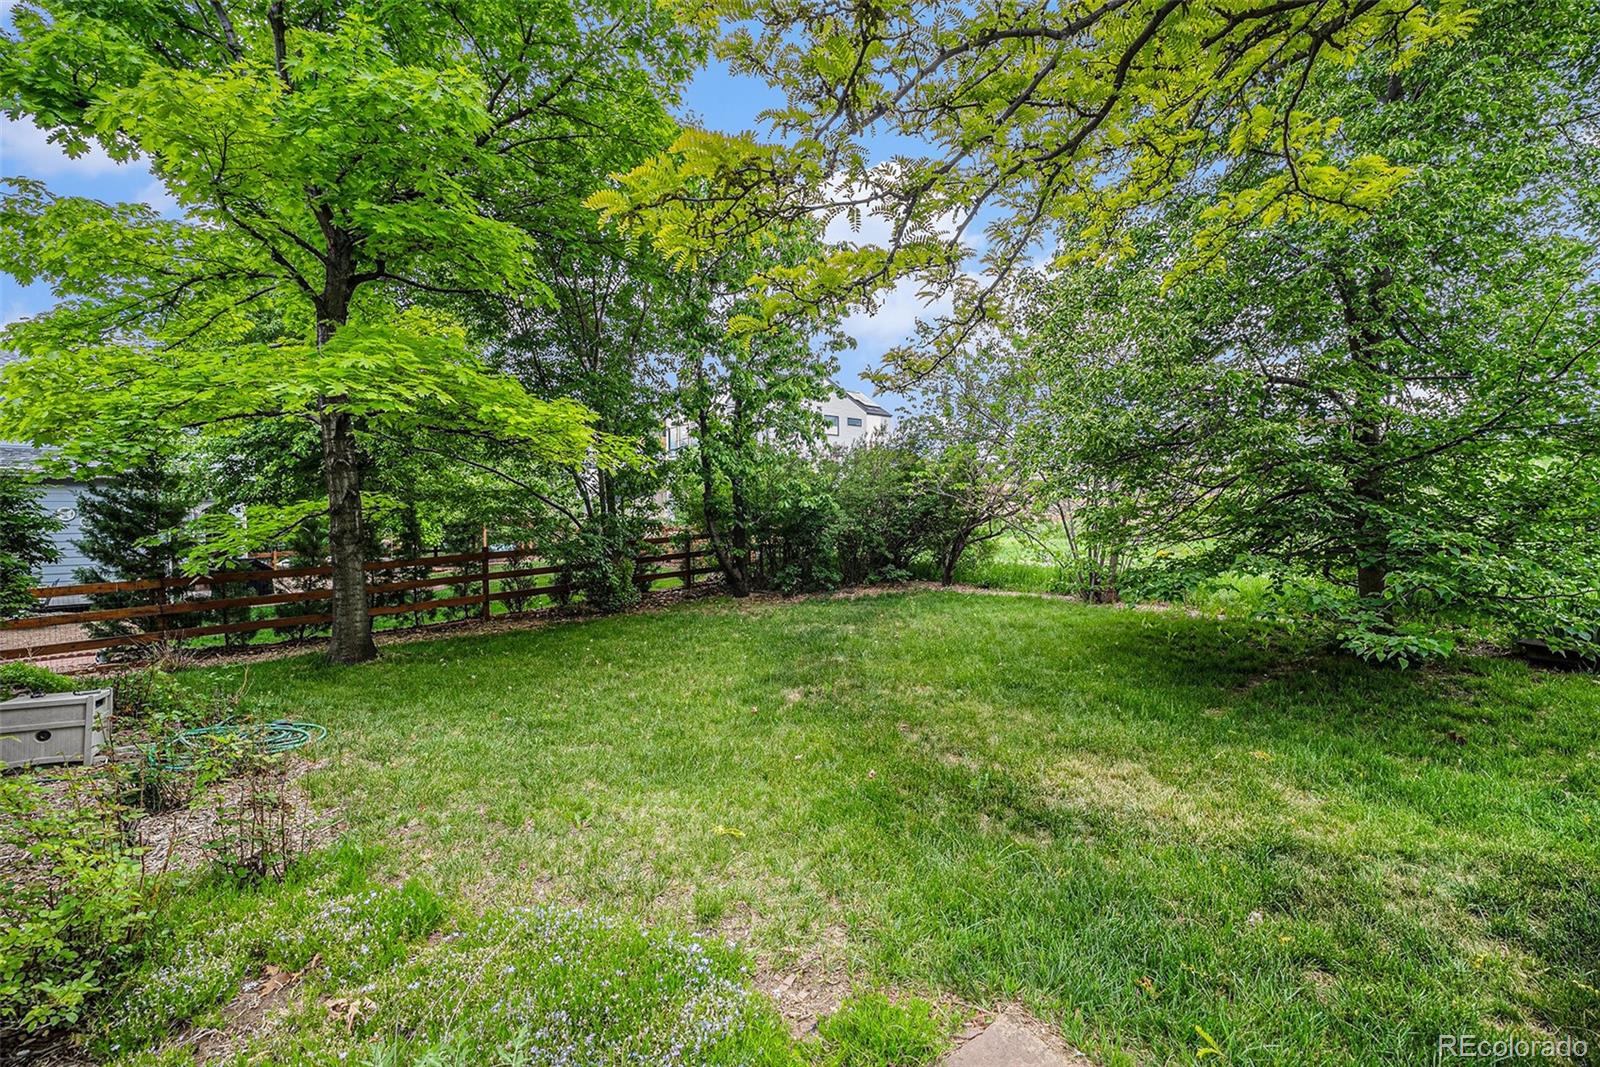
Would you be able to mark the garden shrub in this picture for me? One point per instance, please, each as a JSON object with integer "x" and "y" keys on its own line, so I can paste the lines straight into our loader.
{"x": 1163, "y": 578}
{"x": 598, "y": 563}
{"x": 151, "y": 695}
{"x": 25, "y": 543}
{"x": 1232, "y": 592}
{"x": 70, "y": 902}
{"x": 885, "y": 516}
{"x": 20, "y": 679}
{"x": 797, "y": 526}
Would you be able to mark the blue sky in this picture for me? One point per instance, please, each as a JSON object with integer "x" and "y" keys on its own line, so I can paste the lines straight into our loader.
{"x": 716, "y": 99}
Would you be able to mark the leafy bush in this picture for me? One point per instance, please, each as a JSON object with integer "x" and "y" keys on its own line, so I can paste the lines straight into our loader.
{"x": 1232, "y": 592}
{"x": 70, "y": 903}
{"x": 258, "y": 835}
{"x": 19, "y": 679}
{"x": 885, "y": 516}
{"x": 1336, "y": 615}
{"x": 598, "y": 564}
{"x": 796, "y": 525}
{"x": 1376, "y": 640}
{"x": 1163, "y": 577}
{"x": 152, "y": 696}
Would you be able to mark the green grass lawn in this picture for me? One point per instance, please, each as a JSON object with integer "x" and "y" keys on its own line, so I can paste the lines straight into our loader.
{"x": 1139, "y": 825}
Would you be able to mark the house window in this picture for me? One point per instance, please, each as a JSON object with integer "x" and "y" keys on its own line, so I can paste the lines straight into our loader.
{"x": 833, "y": 425}
{"x": 853, "y": 422}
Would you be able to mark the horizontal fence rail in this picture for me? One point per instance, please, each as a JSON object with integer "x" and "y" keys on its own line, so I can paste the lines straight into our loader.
{"x": 494, "y": 582}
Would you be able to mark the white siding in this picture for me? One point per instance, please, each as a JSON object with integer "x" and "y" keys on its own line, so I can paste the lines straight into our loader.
{"x": 62, "y": 498}
{"x": 848, "y": 423}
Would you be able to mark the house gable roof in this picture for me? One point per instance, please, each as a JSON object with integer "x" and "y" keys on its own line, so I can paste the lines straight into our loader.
{"x": 862, "y": 401}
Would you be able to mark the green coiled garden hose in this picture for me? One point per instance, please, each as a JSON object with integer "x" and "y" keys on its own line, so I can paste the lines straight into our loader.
{"x": 184, "y": 751}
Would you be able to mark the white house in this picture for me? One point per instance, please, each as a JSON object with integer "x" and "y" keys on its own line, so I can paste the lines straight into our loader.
{"x": 60, "y": 497}
{"x": 852, "y": 417}
{"x": 848, "y": 418}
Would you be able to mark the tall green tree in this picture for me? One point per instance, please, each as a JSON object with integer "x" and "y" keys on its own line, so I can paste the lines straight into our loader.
{"x": 1021, "y": 126}
{"x": 337, "y": 163}
{"x": 1406, "y": 405}
{"x": 977, "y": 471}
{"x": 608, "y": 336}
{"x": 25, "y": 543}
{"x": 744, "y": 374}
{"x": 742, "y": 394}
{"x": 133, "y": 531}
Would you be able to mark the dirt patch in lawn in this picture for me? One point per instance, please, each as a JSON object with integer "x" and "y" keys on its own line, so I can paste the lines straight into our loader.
{"x": 809, "y": 986}
{"x": 250, "y": 1012}
{"x": 805, "y": 992}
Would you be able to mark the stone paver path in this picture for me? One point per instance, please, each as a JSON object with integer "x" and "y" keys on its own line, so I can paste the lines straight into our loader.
{"x": 1006, "y": 1042}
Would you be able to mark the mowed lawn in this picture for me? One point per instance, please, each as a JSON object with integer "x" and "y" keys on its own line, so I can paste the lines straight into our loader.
{"x": 1154, "y": 831}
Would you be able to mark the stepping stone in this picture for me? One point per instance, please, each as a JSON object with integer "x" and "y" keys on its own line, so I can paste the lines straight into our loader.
{"x": 1007, "y": 1043}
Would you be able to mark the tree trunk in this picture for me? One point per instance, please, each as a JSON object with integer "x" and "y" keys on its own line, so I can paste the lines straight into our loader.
{"x": 1370, "y": 581}
{"x": 740, "y": 519}
{"x": 352, "y": 626}
{"x": 740, "y": 536}
{"x": 952, "y": 556}
{"x": 1363, "y": 315}
{"x": 341, "y": 468}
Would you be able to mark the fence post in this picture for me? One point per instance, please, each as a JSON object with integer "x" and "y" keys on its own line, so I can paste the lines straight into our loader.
{"x": 688, "y": 562}
{"x": 485, "y": 572}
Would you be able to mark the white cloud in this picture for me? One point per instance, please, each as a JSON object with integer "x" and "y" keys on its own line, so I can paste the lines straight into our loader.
{"x": 873, "y": 231}
{"x": 26, "y": 151}
{"x": 895, "y": 319}
{"x": 876, "y": 230}
{"x": 154, "y": 193}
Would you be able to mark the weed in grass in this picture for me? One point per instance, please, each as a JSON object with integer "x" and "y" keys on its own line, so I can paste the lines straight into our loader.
{"x": 711, "y": 905}
{"x": 551, "y": 985}
{"x": 209, "y": 938}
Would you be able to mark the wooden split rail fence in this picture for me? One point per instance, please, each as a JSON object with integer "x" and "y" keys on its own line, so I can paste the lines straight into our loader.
{"x": 161, "y": 603}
